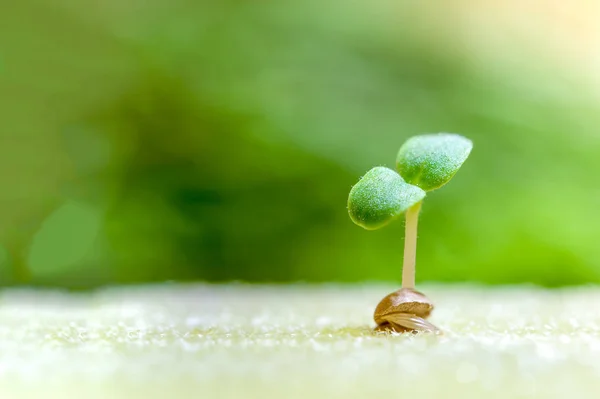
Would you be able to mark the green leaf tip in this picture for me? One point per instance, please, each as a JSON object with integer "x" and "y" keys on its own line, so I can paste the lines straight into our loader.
{"x": 431, "y": 160}
{"x": 380, "y": 196}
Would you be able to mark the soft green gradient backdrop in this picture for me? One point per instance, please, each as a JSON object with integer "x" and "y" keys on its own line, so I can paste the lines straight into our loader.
{"x": 176, "y": 140}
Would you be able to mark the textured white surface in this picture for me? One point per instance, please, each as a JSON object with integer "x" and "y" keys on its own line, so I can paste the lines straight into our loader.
{"x": 239, "y": 341}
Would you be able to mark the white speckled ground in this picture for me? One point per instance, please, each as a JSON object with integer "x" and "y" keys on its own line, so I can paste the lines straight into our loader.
{"x": 240, "y": 341}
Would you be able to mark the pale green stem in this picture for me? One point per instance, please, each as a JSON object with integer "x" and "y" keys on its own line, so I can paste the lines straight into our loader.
{"x": 410, "y": 246}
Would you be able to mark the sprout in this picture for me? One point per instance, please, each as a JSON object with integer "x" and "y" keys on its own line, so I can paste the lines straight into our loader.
{"x": 424, "y": 163}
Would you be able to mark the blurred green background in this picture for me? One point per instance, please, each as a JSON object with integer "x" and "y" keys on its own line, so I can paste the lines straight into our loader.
{"x": 180, "y": 140}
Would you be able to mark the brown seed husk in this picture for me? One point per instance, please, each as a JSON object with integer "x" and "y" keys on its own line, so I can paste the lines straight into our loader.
{"x": 404, "y": 310}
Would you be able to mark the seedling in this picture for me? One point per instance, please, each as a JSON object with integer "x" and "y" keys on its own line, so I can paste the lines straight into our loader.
{"x": 424, "y": 163}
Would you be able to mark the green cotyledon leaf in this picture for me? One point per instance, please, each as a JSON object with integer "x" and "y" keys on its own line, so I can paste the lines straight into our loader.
{"x": 431, "y": 160}
{"x": 380, "y": 196}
